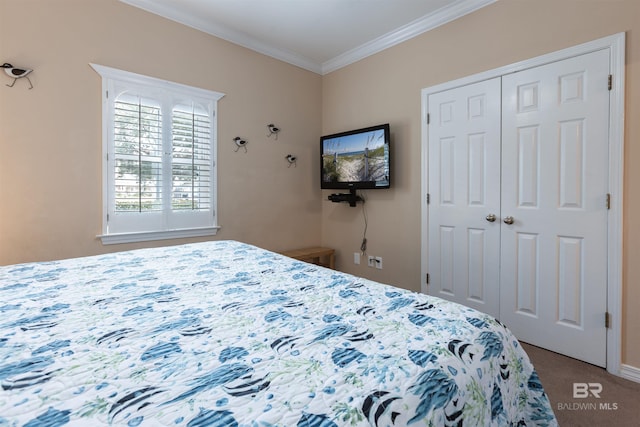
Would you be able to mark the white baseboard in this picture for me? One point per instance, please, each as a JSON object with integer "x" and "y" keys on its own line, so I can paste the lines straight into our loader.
{"x": 630, "y": 372}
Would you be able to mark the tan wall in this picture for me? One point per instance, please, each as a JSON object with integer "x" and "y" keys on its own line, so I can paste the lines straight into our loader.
{"x": 386, "y": 88}
{"x": 50, "y": 136}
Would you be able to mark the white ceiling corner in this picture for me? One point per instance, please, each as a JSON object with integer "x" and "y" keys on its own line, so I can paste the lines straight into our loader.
{"x": 317, "y": 35}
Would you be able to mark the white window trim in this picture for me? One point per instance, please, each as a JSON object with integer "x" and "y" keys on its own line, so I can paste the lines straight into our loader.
{"x": 116, "y": 238}
{"x": 107, "y": 74}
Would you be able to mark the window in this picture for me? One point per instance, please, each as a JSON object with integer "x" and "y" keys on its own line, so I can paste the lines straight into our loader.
{"x": 159, "y": 146}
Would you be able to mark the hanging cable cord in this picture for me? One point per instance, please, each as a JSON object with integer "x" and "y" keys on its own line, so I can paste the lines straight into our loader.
{"x": 363, "y": 245}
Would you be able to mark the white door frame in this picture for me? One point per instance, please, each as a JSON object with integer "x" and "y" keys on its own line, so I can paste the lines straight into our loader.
{"x": 616, "y": 44}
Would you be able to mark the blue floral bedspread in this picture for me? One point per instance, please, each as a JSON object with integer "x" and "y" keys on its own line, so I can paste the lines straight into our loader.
{"x": 228, "y": 334}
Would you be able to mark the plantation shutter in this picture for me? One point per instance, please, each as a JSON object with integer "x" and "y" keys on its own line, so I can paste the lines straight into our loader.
{"x": 191, "y": 159}
{"x": 137, "y": 151}
{"x": 159, "y": 151}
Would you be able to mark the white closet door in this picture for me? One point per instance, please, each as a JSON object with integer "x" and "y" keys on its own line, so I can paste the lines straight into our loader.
{"x": 464, "y": 188}
{"x": 554, "y": 186}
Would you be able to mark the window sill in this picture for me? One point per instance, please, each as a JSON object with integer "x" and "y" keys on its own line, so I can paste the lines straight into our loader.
{"x": 113, "y": 239}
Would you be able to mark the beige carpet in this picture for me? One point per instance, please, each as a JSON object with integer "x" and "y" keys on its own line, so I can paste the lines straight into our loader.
{"x": 618, "y": 404}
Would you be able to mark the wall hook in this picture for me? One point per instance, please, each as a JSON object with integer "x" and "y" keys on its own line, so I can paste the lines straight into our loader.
{"x": 241, "y": 143}
{"x": 16, "y": 73}
{"x": 292, "y": 160}
{"x": 273, "y": 130}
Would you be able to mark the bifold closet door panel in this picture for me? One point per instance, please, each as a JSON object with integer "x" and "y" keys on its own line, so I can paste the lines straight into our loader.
{"x": 464, "y": 188}
{"x": 554, "y": 187}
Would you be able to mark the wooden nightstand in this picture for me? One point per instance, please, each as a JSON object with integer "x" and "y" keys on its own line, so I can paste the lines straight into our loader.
{"x": 316, "y": 255}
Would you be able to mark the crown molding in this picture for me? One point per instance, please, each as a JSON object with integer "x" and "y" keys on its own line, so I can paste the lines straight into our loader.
{"x": 406, "y": 32}
{"x": 226, "y": 33}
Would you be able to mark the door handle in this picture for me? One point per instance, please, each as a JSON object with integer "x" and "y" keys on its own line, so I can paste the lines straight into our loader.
{"x": 490, "y": 217}
{"x": 508, "y": 220}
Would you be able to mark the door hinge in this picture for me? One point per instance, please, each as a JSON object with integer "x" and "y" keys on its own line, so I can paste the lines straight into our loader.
{"x": 608, "y": 201}
{"x": 610, "y": 81}
{"x": 428, "y": 118}
{"x": 427, "y": 278}
{"x": 428, "y": 198}
{"x": 607, "y": 320}
{"x": 107, "y": 217}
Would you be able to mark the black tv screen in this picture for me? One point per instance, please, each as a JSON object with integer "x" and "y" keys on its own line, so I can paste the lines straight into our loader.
{"x": 357, "y": 159}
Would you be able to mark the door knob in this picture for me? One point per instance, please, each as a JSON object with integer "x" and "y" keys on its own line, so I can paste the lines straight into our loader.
{"x": 491, "y": 217}
{"x": 508, "y": 220}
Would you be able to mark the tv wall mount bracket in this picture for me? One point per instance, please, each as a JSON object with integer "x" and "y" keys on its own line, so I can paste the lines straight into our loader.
{"x": 351, "y": 197}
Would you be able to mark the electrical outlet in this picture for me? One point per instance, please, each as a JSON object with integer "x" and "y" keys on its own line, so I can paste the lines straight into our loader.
{"x": 371, "y": 261}
{"x": 356, "y": 257}
{"x": 379, "y": 262}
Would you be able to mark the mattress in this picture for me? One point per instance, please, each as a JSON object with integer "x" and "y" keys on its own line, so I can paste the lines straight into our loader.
{"x": 228, "y": 334}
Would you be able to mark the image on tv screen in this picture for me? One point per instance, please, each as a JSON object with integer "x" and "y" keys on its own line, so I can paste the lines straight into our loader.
{"x": 356, "y": 158}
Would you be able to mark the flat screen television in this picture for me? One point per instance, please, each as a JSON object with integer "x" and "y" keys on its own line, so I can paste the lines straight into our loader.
{"x": 356, "y": 159}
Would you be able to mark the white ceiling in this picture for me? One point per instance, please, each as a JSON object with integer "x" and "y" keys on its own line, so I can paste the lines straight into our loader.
{"x": 317, "y": 35}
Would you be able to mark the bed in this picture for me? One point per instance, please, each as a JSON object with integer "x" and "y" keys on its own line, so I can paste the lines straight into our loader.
{"x": 228, "y": 334}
